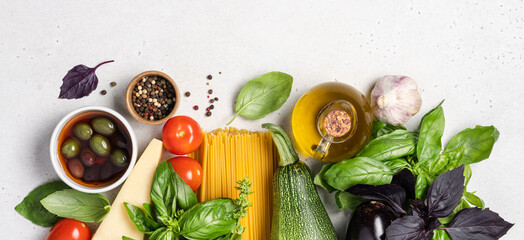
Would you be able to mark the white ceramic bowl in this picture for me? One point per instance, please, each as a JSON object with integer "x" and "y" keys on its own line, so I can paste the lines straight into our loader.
{"x": 57, "y": 165}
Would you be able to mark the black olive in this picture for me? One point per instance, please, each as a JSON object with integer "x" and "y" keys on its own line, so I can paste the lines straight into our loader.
{"x": 106, "y": 171}
{"x": 369, "y": 221}
{"x": 92, "y": 174}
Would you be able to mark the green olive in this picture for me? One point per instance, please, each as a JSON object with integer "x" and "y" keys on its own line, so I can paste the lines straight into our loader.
{"x": 100, "y": 145}
{"x": 70, "y": 147}
{"x": 119, "y": 157}
{"x": 103, "y": 126}
{"x": 83, "y": 131}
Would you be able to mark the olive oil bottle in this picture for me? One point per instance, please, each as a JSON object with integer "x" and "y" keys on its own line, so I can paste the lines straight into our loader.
{"x": 331, "y": 122}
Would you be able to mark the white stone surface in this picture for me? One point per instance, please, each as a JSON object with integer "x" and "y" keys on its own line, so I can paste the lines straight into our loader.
{"x": 469, "y": 53}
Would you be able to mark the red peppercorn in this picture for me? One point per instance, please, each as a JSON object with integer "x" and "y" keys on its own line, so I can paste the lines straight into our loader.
{"x": 195, "y": 107}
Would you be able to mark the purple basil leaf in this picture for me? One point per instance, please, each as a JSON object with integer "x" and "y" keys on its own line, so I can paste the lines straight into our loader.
{"x": 419, "y": 208}
{"x": 477, "y": 224}
{"x": 406, "y": 180}
{"x": 79, "y": 82}
{"x": 407, "y": 228}
{"x": 393, "y": 195}
{"x": 445, "y": 193}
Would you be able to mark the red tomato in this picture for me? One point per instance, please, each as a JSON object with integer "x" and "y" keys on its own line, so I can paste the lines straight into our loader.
{"x": 188, "y": 169}
{"x": 181, "y": 135}
{"x": 69, "y": 229}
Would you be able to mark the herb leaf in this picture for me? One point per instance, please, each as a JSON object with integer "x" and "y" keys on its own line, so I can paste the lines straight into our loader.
{"x": 32, "y": 209}
{"x": 440, "y": 234}
{"x": 396, "y": 144}
{"x": 185, "y": 197}
{"x": 445, "y": 161}
{"x": 396, "y": 165}
{"x": 477, "y": 142}
{"x": 392, "y": 194}
{"x": 445, "y": 192}
{"x": 79, "y": 82}
{"x": 209, "y": 220}
{"x": 431, "y": 129}
{"x": 70, "y": 203}
{"x": 320, "y": 179}
{"x": 263, "y": 95}
{"x": 407, "y": 228}
{"x": 163, "y": 191}
{"x": 462, "y": 205}
{"x": 477, "y": 224}
{"x": 421, "y": 185}
{"x": 474, "y": 199}
{"x": 406, "y": 180}
{"x": 347, "y": 200}
{"x": 358, "y": 170}
{"x": 142, "y": 222}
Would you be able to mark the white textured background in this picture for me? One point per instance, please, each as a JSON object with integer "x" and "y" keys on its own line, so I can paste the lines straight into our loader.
{"x": 467, "y": 52}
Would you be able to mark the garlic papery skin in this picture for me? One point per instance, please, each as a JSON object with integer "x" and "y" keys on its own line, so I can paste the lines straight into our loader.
{"x": 395, "y": 99}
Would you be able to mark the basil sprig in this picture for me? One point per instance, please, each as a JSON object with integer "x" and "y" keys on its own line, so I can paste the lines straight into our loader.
{"x": 176, "y": 213}
{"x": 32, "y": 209}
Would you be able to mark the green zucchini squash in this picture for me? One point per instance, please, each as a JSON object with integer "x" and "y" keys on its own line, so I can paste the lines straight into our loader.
{"x": 298, "y": 213}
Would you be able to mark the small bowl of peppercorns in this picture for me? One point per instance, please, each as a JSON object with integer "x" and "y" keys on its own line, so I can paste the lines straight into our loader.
{"x": 152, "y": 97}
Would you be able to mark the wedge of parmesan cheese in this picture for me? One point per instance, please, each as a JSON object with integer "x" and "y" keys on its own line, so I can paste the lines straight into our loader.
{"x": 135, "y": 191}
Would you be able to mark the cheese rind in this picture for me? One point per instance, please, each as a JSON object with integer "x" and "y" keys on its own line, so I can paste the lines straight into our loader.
{"x": 134, "y": 191}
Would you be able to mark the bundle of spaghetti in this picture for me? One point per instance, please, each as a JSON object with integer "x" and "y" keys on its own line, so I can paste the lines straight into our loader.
{"x": 230, "y": 154}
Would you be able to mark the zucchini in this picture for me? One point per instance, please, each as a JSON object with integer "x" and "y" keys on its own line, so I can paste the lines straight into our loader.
{"x": 298, "y": 213}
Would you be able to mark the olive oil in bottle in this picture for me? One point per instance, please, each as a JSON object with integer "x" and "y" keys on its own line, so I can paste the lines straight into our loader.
{"x": 332, "y": 122}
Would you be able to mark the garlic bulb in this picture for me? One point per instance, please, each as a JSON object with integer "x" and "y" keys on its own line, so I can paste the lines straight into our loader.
{"x": 395, "y": 99}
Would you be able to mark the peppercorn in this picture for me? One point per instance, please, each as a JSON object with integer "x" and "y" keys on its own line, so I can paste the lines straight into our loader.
{"x": 195, "y": 107}
{"x": 212, "y": 107}
{"x": 209, "y": 77}
{"x": 216, "y": 99}
{"x": 103, "y": 92}
{"x": 210, "y": 91}
{"x": 208, "y": 114}
{"x": 212, "y": 100}
{"x": 153, "y": 97}
{"x": 113, "y": 84}
{"x": 188, "y": 94}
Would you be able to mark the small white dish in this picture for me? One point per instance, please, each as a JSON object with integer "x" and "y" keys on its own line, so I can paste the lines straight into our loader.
{"x": 57, "y": 165}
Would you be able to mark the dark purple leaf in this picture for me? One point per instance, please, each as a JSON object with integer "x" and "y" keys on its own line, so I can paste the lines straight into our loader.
{"x": 445, "y": 193}
{"x": 406, "y": 180}
{"x": 407, "y": 228}
{"x": 477, "y": 224}
{"x": 393, "y": 195}
{"x": 432, "y": 223}
{"x": 79, "y": 82}
{"x": 419, "y": 208}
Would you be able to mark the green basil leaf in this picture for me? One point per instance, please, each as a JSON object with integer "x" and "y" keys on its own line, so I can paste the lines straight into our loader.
{"x": 209, "y": 220}
{"x": 347, "y": 200}
{"x": 163, "y": 191}
{"x": 474, "y": 200}
{"x": 263, "y": 95}
{"x": 421, "y": 186}
{"x": 359, "y": 170}
{"x": 149, "y": 209}
{"x": 157, "y": 233}
{"x": 142, "y": 222}
{"x": 127, "y": 238}
{"x": 467, "y": 174}
{"x": 444, "y": 162}
{"x": 388, "y": 128}
{"x": 396, "y": 144}
{"x": 396, "y": 165}
{"x": 320, "y": 178}
{"x": 429, "y": 143}
{"x": 477, "y": 142}
{"x": 32, "y": 209}
{"x": 440, "y": 234}
{"x": 462, "y": 205}
{"x": 84, "y": 207}
{"x": 377, "y": 125}
{"x": 185, "y": 197}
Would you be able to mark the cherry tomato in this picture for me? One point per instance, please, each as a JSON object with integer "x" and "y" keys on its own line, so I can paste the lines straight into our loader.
{"x": 188, "y": 169}
{"x": 69, "y": 229}
{"x": 181, "y": 135}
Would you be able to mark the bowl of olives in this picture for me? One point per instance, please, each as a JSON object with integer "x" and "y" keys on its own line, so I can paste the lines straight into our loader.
{"x": 93, "y": 149}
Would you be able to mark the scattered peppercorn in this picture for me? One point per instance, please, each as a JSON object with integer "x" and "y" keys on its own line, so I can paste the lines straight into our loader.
{"x": 209, "y": 77}
{"x": 212, "y": 101}
{"x": 188, "y": 94}
{"x": 195, "y": 107}
{"x": 211, "y": 107}
{"x": 208, "y": 114}
{"x": 210, "y": 91}
{"x": 216, "y": 99}
{"x": 103, "y": 92}
{"x": 113, "y": 84}
{"x": 219, "y": 72}
{"x": 154, "y": 97}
